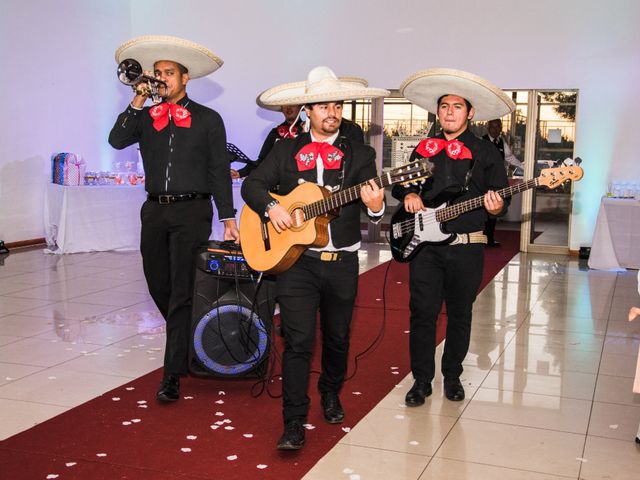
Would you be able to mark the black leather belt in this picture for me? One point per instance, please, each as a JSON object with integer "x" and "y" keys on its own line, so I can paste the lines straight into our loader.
{"x": 177, "y": 197}
{"x": 329, "y": 256}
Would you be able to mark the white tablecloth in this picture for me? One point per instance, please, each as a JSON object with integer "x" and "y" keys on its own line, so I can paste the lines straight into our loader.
{"x": 616, "y": 239}
{"x": 101, "y": 218}
{"x": 92, "y": 218}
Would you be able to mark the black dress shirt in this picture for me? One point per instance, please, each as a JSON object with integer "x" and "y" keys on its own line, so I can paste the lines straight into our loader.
{"x": 450, "y": 181}
{"x": 180, "y": 160}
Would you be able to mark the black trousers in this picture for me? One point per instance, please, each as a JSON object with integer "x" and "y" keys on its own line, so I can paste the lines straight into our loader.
{"x": 171, "y": 235}
{"x": 308, "y": 286}
{"x": 451, "y": 273}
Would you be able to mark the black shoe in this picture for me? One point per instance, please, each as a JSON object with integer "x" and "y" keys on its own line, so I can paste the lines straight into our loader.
{"x": 293, "y": 436}
{"x": 637, "y": 439}
{"x": 169, "y": 389}
{"x": 453, "y": 389}
{"x": 333, "y": 412}
{"x": 415, "y": 397}
{"x": 493, "y": 244}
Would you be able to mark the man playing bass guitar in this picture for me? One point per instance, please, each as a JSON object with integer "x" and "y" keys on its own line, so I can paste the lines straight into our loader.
{"x": 451, "y": 270}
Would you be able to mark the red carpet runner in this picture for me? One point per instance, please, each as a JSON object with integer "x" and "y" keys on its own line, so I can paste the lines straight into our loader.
{"x": 217, "y": 429}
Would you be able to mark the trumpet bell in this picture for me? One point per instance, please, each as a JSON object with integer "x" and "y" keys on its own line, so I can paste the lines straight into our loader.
{"x": 130, "y": 72}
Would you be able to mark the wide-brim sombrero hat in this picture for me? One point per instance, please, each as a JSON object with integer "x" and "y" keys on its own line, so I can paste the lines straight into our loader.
{"x": 425, "y": 87}
{"x": 149, "y": 49}
{"x": 321, "y": 85}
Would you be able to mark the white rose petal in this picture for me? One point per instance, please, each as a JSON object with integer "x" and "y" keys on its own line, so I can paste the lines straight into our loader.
{"x": 185, "y": 449}
{"x": 101, "y": 454}
{"x": 130, "y": 388}
{"x": 126, "y": 423}
{"x": 232, "y": 457}
{"x": 219, "y": 402}
{"x": 394, "y": 368}
{"x": 229, "y": 428}
{"x": 357, "y": 393}
{"x": 247, "y": 435}
{"x": 53, "y": 475}
{"x": 215, "y": 427}
{"x": 115, "y": 399}
{"x": 70, "y": 464}
{"x": 136, "y": 420}
{"x": 141, "y": 402}
{"x": 413, "y": 442}
{"x": 308, "y": 426}
{"x": 189, "y": 397}
{"x": 191, "y": 437}
{"x": 346, "y": 429}
{"x": 142, "y": 406}
{"x": 395, "y": 373}
{"x": 261, "y": 466}
{"x": 221, "y": 392}
{"x": 219, "y": 414}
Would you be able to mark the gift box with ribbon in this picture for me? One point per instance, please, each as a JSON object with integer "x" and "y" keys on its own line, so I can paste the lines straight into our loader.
{"x": 67, "y": 169}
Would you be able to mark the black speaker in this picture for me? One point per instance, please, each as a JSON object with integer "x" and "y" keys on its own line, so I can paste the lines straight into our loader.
{"x": 231, "y": 316}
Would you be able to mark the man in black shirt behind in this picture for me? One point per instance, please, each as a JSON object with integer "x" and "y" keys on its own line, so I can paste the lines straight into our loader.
{"x": 183, "y": 147}
{"x": 469, "y": 167}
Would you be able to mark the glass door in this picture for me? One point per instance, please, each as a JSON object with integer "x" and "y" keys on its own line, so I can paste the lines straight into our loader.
{"x": 555, "y": 114}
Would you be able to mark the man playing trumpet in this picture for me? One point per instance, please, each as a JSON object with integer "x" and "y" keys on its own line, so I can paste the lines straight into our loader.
{"x": 183, "y": 147}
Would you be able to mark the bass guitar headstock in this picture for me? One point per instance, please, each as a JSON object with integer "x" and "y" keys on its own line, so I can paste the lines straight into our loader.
{"x": 554, "y": 177}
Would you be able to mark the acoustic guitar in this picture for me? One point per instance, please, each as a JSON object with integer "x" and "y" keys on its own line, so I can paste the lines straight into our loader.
{"x": 311, "y": 207}
{"x": 411, "y": 231}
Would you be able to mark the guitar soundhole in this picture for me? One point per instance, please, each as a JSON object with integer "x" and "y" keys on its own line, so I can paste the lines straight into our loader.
{"x": 298, "y": 218}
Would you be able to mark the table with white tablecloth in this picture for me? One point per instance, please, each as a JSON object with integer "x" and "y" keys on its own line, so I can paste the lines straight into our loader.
{"x": 616, "y": 239}
{"x": 101, "y": 217}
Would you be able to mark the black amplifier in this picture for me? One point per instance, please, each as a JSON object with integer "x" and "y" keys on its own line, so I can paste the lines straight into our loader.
{"x": 224, "y": 259}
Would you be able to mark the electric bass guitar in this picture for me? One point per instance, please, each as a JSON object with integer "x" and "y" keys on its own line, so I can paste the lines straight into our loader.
{"x": 311, "y": 207}
{"x": 411, "y": 231}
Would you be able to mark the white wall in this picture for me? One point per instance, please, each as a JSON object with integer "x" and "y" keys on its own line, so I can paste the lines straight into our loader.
{"x": 585, "y": 44}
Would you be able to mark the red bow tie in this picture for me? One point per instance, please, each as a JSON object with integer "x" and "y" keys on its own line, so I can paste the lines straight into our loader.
{"x": 160, "y": 114}
{"x": 307, "y": 156}
{"x": 455, "y": 149}
{"x": 285, "y": 131}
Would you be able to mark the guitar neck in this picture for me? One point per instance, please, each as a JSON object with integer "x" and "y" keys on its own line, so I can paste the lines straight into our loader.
{"x": 457, "y": 209}
{"x": 342, "y": 197}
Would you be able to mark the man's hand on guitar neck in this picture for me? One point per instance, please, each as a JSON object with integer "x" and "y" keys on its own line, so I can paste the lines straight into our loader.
{"x": 413, "y": 203}
{"x": 372, "y": 196}
{"x": 280, "y": 218}
{"x": 493, "y": 203}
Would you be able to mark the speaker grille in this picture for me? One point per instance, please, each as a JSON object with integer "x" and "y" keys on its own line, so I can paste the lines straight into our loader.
{"x": 230, "y": 340}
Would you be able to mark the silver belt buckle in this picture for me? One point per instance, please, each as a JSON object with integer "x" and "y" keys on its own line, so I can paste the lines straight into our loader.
{"x": 164, "y": 199}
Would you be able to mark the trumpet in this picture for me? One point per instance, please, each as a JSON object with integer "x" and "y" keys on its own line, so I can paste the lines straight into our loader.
{"x": 130, "y": 73}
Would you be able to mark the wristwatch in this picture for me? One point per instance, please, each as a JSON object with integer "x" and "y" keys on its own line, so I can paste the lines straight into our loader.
{"x": 269, "y": 206}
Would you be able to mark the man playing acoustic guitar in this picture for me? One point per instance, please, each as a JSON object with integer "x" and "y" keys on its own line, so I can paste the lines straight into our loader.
{"x": 466, "y": 166}
{"x": 321, "y": 279}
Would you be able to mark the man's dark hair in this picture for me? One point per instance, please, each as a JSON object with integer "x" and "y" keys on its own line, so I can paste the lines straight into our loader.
{"x": 310, "y": 105}
{"x": 467, "y": 102}
{"x": 182, "y": 68}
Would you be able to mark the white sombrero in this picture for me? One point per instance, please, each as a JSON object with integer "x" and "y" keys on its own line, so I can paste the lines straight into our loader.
{"x": 322, "y": 85}
{"x": 425, "y": 87}
{"x": 147, "y": 50}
